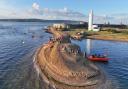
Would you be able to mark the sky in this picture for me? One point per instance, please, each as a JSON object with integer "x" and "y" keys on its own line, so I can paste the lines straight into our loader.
{"x": 114, "y": 11}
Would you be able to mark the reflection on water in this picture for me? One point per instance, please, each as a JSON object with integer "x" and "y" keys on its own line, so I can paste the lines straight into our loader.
{"x": 88, "y": 46}
{"x": 117, "y": 68}
{"x": 16, "y": 59}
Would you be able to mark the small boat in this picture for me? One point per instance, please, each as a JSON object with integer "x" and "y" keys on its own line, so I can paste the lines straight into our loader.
{"x": 95, "y": 58}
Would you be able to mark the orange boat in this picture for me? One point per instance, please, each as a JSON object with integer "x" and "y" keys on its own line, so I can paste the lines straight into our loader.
{"x": 95, "y": 58}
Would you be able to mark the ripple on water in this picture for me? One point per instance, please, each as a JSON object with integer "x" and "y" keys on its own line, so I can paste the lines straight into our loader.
{"x": 16, "y": 68}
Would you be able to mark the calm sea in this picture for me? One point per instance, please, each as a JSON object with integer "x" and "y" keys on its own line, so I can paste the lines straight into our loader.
{"x": 17, "y": 46}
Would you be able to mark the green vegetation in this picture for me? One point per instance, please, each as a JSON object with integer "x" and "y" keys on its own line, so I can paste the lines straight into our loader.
{"x": 109, "y": 34}
{"x": 125, "y": 32}
{"x": 74, "y": 31}
{"x": 114, "y": 31}
{"x": 89, "y": 33}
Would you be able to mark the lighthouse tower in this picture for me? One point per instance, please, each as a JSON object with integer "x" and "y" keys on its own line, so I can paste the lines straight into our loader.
{"x": 90, "y": 21}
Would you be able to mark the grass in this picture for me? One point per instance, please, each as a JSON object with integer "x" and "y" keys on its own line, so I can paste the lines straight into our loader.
{"x": 74, "y": 31}
{"x": 105, "y": 35}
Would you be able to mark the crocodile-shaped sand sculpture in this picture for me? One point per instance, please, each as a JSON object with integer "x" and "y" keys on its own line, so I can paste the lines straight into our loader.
{"x": 65, "y": 66}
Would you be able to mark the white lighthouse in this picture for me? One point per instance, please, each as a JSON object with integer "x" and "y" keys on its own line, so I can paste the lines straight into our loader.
{"x": 90, "y": 21}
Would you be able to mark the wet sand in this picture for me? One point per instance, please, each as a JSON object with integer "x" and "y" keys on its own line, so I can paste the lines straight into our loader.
{"x": 109, "y": 38}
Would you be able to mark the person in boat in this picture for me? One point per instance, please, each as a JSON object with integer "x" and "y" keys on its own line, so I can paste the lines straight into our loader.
{"x": 100, "y": 56}
{"x": 97, "y": 55}
{"x": 93, "y": 56}
{"x": 104, "y": 56}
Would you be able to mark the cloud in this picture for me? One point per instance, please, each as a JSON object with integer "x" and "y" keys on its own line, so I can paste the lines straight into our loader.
{"x": 62, "y": 14}
{"x": 35, "y": 6}
{"x": 65, "y": 9}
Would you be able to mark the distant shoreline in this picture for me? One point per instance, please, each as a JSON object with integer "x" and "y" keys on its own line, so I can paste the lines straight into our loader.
{"x": 107, "y": 39}
{"x": 37, "y": 20}
{"x": 102, "y": 35}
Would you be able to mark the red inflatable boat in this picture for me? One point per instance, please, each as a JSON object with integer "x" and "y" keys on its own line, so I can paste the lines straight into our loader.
{"x": 101, "y": 59}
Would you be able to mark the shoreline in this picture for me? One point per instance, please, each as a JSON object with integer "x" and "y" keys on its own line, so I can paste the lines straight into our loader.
{"x": 55, "y": 63}
{"x": 105, "y": 39}
{"x": 102, "y": 35}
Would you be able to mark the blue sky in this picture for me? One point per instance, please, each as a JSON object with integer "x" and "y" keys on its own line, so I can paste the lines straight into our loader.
{"x": 64, "y": 9}
{"x": 99, "y": 6}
